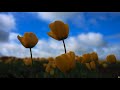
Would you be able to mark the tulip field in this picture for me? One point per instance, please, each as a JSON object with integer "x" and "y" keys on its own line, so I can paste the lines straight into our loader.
{"x": 64, "y": 66}
{"x": 67, "y": 65}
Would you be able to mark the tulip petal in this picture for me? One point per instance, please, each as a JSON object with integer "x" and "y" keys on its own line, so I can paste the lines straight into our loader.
{"x": 52, "y": 35}
{"x": 30, "y": 40}
{"x": 21, "y": 40}
{"x": 62, "y": 63}
{"x": 60, "y": 29}
{"x": 93, "y": 65}
{"x": 88, "y": 66}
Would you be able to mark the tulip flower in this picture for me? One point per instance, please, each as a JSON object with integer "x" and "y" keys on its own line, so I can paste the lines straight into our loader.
{"x": 88, "y": 66}
{"x": 65, "y": 62}
{"x": 29, "y": 40}
{"x": 59, "y": 31}
{"x": 111, "y": 59}
{"x": 94, "y": 56}
{"x": 86, "y": 58}
{"x": 93, "y": 65}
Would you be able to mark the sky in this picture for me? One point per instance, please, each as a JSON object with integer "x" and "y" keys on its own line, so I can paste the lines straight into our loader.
{"x": 89, "y": 31}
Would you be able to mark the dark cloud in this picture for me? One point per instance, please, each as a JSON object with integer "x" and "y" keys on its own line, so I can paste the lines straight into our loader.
{"x": 4, "y": 36}
{"x": 1, "y": 54}
{"x": 7, "y": 23}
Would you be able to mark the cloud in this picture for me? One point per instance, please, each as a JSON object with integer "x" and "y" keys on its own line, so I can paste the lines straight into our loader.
{"x": 109, "y": 49}
{"x": 83, "y": 43}
{"x": 76, "y": 18}
{"x": 0, "y": 54}
{"x": 4, "y": 36}
{"x": 92, "y": 39}
{"x": 52, "y": 16}
{"x": 53, "y": 48}
{"x": 7, "y": 23}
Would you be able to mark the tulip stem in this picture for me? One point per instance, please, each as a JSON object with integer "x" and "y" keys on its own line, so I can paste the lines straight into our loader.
{"x": 32, "y": 62}
{"x": 64, "y": 46}
{"x": 31, "y": 55}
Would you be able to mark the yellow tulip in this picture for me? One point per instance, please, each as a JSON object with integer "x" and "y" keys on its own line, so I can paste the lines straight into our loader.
{"x": 48, "y": 68}
{"x": 45, "y": 65}
{"x": 29, "y": 40}
{"x": 27, "y": 61}
{"x": 88, "y": 66}
{"x": 72, "y": 61}
{"x": 86, "y": 58}
{"x": 78, "y": 58}
{"x": 93, "y": 65}
{"x": 59, "y": 31}
{"x": 65, "y": 62}
{"x": 104, "y": 65}
{"x": 51, "y": 59}
{"x": 111, "y": 58}
{"x": 94, "y": 56}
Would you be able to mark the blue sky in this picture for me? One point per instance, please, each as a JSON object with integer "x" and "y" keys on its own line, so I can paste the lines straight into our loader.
{"x": 89, "y": 31}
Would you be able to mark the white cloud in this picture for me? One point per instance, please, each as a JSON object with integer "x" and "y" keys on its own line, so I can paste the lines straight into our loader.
{"x": 52, "y": 16}
{"x": 53, "y": 48}
{"x": 7, "y": 22}
{"x": 92, "y": 39}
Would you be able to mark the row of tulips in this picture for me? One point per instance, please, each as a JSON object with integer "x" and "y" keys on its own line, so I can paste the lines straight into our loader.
{"x": 67, "y": 62}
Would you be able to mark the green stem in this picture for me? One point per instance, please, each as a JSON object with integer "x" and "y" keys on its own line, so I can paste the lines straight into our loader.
{"x": 64, "y": 46}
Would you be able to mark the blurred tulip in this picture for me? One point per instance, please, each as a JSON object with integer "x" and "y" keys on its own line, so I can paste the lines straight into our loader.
{"x": 78, "y": 58}
{"x": 48, "y": 68}
{"x": 93, "y": 65}
{"x": 27, "y": 61}
{"x": 86, "y": 58}
{"x": 59, "y": 31}
{"x": 88, "y": 66}
{"x": 104, "y": 65}
{"x": 50, "y": 59}
{"x": 65, "y": 62}
{"x": 94, "y": 56}
{"x": 111, "y": 59}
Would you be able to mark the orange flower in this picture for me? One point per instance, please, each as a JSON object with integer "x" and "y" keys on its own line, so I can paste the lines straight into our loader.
{"x": 86, "y": 58}
{"x": 59, "y": 30}
{"x": 50, "y": 59}
{"x": 29, "y": 40}
{"x": 88, "y": 66}
{"x": 111, "y": 58}
{"x": 104, "y": 65}
{"x": 93, "y": 65}
{"x": 78, "y": 58}
{"x": 94, "y": 56}
{"x": 48, "y": 68}
{"x": 27, "y": 61}
{"x": 65, "y": 62}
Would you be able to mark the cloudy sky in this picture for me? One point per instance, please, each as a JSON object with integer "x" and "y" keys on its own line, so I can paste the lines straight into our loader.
{"x": 89, "y": 31}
